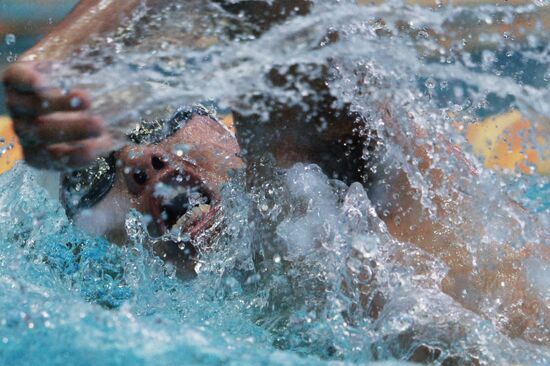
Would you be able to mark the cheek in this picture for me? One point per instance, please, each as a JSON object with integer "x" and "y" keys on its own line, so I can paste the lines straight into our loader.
{"x": 220, "y": 161}
{"x": 128, "y": 193}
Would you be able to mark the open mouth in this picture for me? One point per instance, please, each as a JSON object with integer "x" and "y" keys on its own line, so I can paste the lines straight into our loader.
{"x": 184, "y": 208}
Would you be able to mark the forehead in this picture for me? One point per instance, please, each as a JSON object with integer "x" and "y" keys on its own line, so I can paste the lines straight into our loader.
{"x": 204, "y": 130}
{"x": 201, "y": 138}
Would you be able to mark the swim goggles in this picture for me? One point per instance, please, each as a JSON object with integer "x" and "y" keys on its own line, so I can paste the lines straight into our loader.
{"x": 84, "y": 188}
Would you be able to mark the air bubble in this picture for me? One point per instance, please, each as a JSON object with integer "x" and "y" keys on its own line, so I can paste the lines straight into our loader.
{"x": 181, "y": 149}
{"x": 430, "y": 83}
{"x": 10, "y": 39}
{"x": 75, "y": 102}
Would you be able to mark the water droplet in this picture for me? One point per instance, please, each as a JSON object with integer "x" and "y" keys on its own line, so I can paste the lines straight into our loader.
{"x": 430, "y": 83}
{"x": 423, "y": 34}
{"x": 181, "y": 149}
{"x": 75, "y": 102}
{"x": 10, "y": 39}
{"x": 5, "y": 149}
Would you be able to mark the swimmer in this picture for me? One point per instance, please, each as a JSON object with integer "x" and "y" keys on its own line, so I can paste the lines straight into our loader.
{"x": 192, "y": 153}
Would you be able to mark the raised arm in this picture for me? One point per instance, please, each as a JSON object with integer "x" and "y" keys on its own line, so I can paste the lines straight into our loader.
{"x": 487, "y": 276}
{"x": 55, "y": 127}
{"x": 89, "y": 19}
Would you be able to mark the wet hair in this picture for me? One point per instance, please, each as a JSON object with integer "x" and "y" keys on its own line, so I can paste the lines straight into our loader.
{"x": 156, "y": 131}
{"x": 82, "y": 189}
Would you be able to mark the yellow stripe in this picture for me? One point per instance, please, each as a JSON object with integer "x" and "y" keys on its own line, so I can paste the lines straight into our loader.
{"x": 228, "y": 121}
{"x": 10, "y": 150}
{"x": 513, "y": 143}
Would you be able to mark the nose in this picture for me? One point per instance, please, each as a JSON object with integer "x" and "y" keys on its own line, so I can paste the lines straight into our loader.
{"x": 145, "y": 166}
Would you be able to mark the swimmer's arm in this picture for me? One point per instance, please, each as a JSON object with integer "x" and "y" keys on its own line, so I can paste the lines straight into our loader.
{"x": 55, "y": 128}
{"x": 498, "y": 271}
{"x": 89, "y": 19}
{"x": 95, "y": 18}
{"x": 489, "y": 273}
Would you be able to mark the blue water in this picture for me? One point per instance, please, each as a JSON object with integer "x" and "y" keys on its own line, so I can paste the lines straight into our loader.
{"x": 67, "y": 298}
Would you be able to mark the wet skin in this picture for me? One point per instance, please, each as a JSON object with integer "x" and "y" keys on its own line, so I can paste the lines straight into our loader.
{"x": 58, "y": 133}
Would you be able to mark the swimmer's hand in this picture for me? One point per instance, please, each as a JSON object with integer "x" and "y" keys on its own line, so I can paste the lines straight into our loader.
{"x": 56, "y": 128}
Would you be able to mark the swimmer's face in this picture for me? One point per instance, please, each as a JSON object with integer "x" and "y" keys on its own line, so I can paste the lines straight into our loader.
{"x": 176, "y": 183}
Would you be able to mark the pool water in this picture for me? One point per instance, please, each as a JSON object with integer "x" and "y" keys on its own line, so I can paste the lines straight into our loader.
{"x": 284, "y": 285}
{"x": 70, "y": 298}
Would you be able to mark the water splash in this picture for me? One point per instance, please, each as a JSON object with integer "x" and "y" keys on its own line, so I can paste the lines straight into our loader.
{"x": 73, "y": 295}
{"x": 228, "y": 67}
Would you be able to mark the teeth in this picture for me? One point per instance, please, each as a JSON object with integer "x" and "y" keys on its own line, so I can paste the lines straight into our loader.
{"x": 190, "y": 216}
{"x": 204, "y": 208}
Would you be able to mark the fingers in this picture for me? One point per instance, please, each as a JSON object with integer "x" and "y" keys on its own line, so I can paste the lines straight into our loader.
{"x": 68, "y": 155}
{"x": 79, "y": 154}
{"x": 55, "y": 127}
{"x": 44, "y": 101}
{"x": 27, "y": 94}
{"x": 54, "y": 100}
{"x": 23, "y": 78}
{"x": 68, "y": 126}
